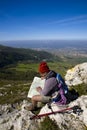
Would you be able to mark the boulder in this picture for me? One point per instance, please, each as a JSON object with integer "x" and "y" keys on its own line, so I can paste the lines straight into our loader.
{"x": 77, "y": 75}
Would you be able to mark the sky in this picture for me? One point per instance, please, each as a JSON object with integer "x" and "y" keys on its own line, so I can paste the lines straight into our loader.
{"x": 43, "y": 19}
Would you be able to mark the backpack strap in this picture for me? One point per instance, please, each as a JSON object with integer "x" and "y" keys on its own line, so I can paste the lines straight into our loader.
{"x": 51, "y": 74}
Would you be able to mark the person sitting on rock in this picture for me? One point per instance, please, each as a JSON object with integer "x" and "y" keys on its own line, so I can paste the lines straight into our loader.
{"x": 53, "y": 89}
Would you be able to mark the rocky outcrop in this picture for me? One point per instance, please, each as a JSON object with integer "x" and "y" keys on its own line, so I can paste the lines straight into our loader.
{"x": 19, "y": 119}
{"x": 70, "y": 121}
{"x": 16, "y": 118}
{"x": 77, "y": 75}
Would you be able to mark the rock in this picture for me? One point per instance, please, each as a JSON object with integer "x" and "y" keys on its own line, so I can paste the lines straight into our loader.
{"x": 77, "y": 75}
{"x": 17, "y": 119}
{"x": 69, "y": 121}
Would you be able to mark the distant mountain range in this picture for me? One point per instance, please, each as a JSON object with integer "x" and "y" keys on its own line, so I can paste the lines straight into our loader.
{"x": 46, "y": 44}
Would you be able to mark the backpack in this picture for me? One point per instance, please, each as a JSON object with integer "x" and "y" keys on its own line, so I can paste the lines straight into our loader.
{"x": 66, "y": 95}
{"x": 63, "y": 95}
{"x": 60, "y": 98}
{"x": 72, "y": 95}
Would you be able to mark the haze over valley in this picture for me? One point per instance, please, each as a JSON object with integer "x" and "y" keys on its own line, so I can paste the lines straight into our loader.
{"x": 57, "y": 47}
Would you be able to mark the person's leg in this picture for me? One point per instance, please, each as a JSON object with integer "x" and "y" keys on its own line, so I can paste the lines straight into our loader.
{"x": 34, "y": 100}
{"x": 38, "y": 98}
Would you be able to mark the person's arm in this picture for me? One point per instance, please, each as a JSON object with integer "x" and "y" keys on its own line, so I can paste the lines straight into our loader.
{"x": 49, "y": 85}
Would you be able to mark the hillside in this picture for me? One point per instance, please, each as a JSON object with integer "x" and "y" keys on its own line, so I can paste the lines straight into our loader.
{"x": 9, "y": 55}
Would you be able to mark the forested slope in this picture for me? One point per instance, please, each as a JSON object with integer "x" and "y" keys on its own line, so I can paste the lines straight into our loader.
{"x": 9, "y": 55}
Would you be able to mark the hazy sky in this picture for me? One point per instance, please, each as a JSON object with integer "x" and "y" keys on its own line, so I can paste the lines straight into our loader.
{"x": 43, "y": 19}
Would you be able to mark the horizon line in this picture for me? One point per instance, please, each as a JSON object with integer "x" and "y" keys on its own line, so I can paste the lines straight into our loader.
{"x": 45, "y": 40}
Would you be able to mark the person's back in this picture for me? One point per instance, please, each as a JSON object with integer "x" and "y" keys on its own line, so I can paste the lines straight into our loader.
{"x": 58, "y": 89}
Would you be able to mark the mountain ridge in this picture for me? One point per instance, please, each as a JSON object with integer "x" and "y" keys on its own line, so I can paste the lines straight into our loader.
{"x": 10, "y": 55}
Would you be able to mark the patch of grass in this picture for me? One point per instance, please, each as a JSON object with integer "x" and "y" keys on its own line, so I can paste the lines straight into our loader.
{"x": 48, "y": 124}
{"x": 81, "y": 89}
{"x": 60, "y": 67}
{"x": 27, "y": 71}
{"x": 24, "y": 67}
{"x": 13, "y": 91}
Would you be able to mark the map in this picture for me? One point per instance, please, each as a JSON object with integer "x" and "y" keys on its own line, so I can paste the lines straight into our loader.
{"x": 37, "y": 82}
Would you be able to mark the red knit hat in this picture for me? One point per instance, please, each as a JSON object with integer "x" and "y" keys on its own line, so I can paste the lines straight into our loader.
{"x": 43, "y": 67}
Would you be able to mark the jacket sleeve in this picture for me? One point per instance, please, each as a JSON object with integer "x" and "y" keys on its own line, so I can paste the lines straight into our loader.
{"x": 50, "y": 84}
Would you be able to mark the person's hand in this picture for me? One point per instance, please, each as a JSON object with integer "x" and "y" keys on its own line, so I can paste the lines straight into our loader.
{"x": 42, "y": 78}
{"x": 39, "y": 89}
